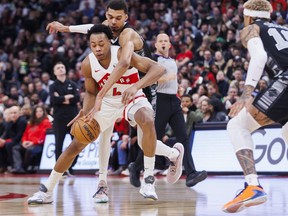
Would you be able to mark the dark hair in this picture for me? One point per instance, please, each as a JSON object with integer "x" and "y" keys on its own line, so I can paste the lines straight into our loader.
{"x": 100, "y": 28}
{"x": 118, "y": 5}
{"x": 59, "y": 62}
{"x": 33, "y": 119}
{"x": 188, "y": 96}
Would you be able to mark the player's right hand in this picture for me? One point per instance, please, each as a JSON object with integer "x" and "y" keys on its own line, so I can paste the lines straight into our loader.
{"x": 80, "y": 114}
{"x": 97, "y": 106}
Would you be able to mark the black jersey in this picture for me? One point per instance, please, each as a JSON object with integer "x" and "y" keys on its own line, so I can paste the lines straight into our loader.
{"x": 275, "y": 41}
{"x": 149, "y": 91}
{"x": 145, "y": 51}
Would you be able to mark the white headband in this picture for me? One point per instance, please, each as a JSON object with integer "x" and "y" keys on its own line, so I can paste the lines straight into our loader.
{"x": 254, "y": 13}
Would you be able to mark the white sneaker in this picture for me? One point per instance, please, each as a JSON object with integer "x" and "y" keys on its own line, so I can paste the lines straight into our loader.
{"x": 101, "y": 196}
{"x": 175, "y": 168}
{"x": 148, "y": 189}
{"x": 41, "y": 197}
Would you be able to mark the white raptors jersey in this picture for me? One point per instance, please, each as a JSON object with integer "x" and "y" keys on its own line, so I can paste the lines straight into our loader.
{"x": 101, "y": 75}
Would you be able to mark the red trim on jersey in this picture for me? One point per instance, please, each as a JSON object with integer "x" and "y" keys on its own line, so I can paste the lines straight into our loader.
{"x": 124, "y": 80}
{"x": 124, "y": 111}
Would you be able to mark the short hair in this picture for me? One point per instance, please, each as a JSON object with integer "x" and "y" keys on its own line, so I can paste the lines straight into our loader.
{"x": 188, "y": 96}
{"x": 118, "y": 5}
{"x": 100, "y": 28}
{"x": 258, "y": 5}
{"x": 59, "y": 62}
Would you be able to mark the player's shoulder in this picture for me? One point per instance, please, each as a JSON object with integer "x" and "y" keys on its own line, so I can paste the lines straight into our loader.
{"x": 129, "y": 33}
{"x": 86, "y": 62}
{"x": 86, "y": 66}
{"x": 249, "y": 32}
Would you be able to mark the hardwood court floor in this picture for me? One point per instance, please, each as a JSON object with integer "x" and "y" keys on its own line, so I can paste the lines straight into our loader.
{"x": 206, "y": 198}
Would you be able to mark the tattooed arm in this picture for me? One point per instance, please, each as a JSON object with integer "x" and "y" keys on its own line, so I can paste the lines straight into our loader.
{"x": 249, "y": 32}
{"x": 250, "y": 38}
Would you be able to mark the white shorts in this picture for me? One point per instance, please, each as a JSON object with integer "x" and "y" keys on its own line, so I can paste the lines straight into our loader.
{"x": 112, "y": 110}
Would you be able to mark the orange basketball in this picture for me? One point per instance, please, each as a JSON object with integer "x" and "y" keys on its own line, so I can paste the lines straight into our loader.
{"x": 85, "y": 132}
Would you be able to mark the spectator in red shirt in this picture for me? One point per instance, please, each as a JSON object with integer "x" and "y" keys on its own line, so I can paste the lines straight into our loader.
{"x": 32, "y": 142}
{"x": 184, "y": 56}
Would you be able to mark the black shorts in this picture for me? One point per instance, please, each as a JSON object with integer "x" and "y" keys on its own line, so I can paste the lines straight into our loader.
{"x": 273, "y": 101}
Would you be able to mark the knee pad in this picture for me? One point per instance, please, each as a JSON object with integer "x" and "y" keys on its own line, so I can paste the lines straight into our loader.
{"x": 285, "y": 133}
{"x": 240, "y": 128}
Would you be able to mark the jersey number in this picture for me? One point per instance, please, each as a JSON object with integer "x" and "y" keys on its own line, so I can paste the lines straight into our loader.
{"x": 281, "y": 38}
{"x": 115, "y": 92}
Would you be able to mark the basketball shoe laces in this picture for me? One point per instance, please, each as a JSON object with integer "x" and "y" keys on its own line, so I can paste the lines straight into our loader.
{"x": 101, "y": 190}
{"x": 172, "y": 167}
{"x": 241, "y": 190}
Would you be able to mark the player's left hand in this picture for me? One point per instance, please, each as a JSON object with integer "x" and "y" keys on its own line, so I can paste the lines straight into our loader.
{"x": 239, "y": 105}
{"x": 129, "y": 95}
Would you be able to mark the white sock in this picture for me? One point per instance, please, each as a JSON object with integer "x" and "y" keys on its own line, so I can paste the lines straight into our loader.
{"x": 53, "y": 180}
{"x": 162, "y": 149}
{"x": 252, "y": 179}
{"x": 104, "y": 153}
{"x": 149, "y": 163}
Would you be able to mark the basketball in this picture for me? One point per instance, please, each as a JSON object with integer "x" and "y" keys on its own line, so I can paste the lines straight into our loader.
{"x": 85, "y": 132}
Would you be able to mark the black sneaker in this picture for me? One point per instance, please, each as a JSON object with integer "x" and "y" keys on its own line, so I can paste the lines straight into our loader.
{"x": 134, "y": 175}
{"x": 196, "y": 177}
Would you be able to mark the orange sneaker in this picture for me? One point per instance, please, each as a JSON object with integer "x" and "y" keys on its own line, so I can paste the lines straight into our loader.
{"x": 250, "y": 196}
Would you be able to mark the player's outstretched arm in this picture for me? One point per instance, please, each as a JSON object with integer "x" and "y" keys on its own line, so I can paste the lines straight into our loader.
{"x": 55, "y": 27}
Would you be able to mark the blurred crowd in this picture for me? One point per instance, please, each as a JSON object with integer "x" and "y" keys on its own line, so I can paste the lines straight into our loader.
{"x": 204, "y": 34}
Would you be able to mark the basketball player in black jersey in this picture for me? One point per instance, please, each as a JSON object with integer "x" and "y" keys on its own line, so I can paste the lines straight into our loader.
{"x": 267, "y": 44}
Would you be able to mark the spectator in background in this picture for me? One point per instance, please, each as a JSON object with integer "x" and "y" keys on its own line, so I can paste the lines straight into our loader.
{"x": 262, "y": 85}
{"x": 219, "y": 60}
{"x": 32, "y": 142}
{"x": 187, "y": 103}
{"x": 120, "y": 148}
{"x": 185, "y": 84}
{"x": 237, "y": 63}
{"x": 209, "y": 113}
{"x": 12, "y": 137}
{"x": 42, "y": 93}
{"x": 231, "y": 98}
{"x": 46, "y": 81}
{"x": 184, "y": 56}
{"x": 202, "y": 90}
{"x": 237, "y": 78}
{"x": 15, "y": 95}
{"x": 2, "y": 124}
{"x": 191, "y": 116}
{"x": 222, "y": 83}
{"x": 213, "y": 91}
{"x": 26, "y": 111}
{"x": 208, "y": 58}
{"x": 3, "y": 157}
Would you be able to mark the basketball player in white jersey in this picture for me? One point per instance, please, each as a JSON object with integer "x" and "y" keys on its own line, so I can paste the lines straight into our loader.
{"x": 126, "y": 97}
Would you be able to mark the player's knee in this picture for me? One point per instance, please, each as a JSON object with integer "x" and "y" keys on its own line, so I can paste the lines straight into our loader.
{"x": 243, "y": 120}
{"x": 231, "y": 125}
{"x": 285, "y": 133}
{"x": 144, "y": 117}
